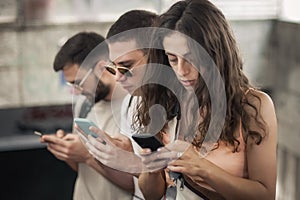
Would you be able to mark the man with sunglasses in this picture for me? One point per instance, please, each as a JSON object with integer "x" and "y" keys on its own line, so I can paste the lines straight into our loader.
{"x": 94, "y": 181}
{"x": 128, "y": 70}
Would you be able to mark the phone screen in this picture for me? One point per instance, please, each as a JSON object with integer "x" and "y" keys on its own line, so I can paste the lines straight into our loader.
{"x": 147, "y": 140}
{"x": 84, "y": 125}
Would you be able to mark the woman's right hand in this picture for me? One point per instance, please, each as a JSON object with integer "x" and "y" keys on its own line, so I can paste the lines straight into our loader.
{"x": 159, "y": 159}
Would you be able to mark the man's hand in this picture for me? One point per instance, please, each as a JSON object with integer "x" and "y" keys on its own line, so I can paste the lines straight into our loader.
{"x": 116, "y": 152}
{"x": 66, "y": 147}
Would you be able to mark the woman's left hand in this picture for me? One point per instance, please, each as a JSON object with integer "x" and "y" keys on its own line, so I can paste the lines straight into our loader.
{"x": 190, "y": 163}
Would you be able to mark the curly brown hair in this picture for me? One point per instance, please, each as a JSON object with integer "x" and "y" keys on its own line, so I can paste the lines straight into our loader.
{"x": 203, "y": 22}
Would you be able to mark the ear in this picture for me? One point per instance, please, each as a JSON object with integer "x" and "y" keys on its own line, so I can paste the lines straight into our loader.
{"x": 100, "y": 65}
{"x": 99, "y": 69}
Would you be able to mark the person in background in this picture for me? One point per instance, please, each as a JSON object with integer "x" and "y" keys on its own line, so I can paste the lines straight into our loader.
{"x": 242, "y": 162}
{"x": 94, "y": 180}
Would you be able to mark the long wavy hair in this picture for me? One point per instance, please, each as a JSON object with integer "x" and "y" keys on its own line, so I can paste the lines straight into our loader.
{"x": 203, "y": 22}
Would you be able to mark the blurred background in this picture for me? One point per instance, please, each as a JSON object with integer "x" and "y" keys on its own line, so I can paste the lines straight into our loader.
{"x": 34, "y": 97}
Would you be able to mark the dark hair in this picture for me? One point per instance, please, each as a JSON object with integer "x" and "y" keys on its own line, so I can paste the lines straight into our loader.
{"x": 76, "y": 49}
{"x": 133, "y": 19}
{"x": 203, "y": 22}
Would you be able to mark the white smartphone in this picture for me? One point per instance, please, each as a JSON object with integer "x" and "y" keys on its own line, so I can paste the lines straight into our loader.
{"x": 38, "y": 133}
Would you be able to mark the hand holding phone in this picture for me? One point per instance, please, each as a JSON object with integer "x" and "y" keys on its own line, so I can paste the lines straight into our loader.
{"x": 147, "y": 140}
{"x": 84, "y": 125}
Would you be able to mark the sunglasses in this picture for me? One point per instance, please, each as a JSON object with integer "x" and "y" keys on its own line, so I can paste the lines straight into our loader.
{"x": 112, "y": 68}
{"x": 79, "y": 85}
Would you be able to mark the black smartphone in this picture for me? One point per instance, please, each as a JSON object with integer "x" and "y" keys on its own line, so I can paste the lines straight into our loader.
{"x": 147, "y": 140}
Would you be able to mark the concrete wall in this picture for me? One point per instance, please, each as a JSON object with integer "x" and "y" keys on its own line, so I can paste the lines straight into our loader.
{"x": 26, "y": 64}
{"x": 27, "y": 77}
{"x": 284, "y": 51}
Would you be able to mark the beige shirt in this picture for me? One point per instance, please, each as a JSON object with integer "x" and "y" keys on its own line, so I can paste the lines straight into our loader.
{"x": 89, "y": 183}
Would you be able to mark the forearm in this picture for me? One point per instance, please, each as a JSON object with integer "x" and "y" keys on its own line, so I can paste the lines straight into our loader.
{"x": 121, "y": 179}
{"x": 232, "y": 187}
{"x": 152, "y": 185}
{"x": 73, "y": 165}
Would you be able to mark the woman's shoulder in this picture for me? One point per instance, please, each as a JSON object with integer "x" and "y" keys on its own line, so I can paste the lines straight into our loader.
{"x": 258, "y": 98}
{"x": 260, "y": 104}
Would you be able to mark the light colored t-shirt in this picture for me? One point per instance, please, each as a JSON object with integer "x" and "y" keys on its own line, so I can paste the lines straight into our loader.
{"x": 89, "y": 183}
{"x": 127, "y": 110}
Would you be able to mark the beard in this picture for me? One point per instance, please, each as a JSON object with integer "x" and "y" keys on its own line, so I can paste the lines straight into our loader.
{"x": 102, "y": 90}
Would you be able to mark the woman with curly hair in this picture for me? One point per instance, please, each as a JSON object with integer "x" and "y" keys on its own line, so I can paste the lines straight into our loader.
{"x": 241, "y": 163}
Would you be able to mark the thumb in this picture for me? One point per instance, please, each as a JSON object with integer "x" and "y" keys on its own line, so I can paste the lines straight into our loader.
{"x": 102, "y": 134}
{"x": 60, "y": 133}
{"x": 70, "y": 136}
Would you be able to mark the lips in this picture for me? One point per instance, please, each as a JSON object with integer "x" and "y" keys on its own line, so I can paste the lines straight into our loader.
{"x": 188, "y": 82}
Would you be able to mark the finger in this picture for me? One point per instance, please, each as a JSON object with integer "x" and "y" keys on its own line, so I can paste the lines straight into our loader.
{"x": 167, "y": 155}
{"x": 60, "y": 133}
{"x": 101, "y": 134}
{"x": 57, "y": 154}
{"x": 158, "y": 164}
{"x": 120, "y": 137}
{"x": 144, "y": 152}
{"x": 153, "y": 157}
{"x": 98, "y": 144}
{"x": 70, "y": 136}
{"x": 95, "y": 152}
{"x": 179, "y": 169}
{"x": 177, "y": 162}
{"x": 42, "y": 140}
{"x": 51, "y": 139}
{"x": 58, "y": 148}
{"x": 83, "y": 138}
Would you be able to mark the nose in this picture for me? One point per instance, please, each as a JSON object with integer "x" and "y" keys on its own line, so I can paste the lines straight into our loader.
{"x": 120, "y": 77}
{"x": 183, "y": 67}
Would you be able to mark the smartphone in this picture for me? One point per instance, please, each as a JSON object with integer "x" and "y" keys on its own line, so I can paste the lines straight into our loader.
{"x": 38, "y": 133}
{"x": 147, "y": 140}
{"x": 84, "y": 125}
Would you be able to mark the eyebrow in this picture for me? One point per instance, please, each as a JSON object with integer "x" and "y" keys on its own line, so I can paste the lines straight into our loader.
{"x": 126, "y": 62}
{"x": 184, "y": 55}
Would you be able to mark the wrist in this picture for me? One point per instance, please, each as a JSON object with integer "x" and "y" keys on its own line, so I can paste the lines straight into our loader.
{"x": 206, "y": 172}
{"x": 89, "y": 159}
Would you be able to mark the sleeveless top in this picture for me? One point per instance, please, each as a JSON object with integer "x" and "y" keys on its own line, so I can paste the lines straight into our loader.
{"x": 232, "y": 162}
{"x": 223, "y": 156}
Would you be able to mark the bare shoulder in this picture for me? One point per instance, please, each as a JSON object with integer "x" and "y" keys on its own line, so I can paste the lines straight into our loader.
{"x": 264, "y": 108}
{"x": 260, "y": 100}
